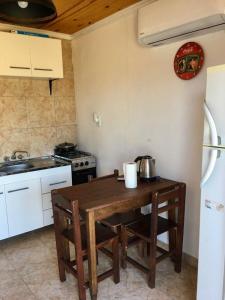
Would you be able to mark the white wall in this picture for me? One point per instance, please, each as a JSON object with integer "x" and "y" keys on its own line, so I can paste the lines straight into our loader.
{"x": 145, "y": 108}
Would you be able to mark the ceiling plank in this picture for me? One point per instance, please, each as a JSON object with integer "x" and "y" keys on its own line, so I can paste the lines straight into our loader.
{"x": 79, "y": 14}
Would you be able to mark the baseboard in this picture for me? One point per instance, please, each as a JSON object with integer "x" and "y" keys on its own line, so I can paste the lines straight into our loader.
{"x": 190, "y": 260}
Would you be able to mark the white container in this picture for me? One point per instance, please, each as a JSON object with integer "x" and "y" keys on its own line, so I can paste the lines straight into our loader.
{"x": 130, "y": 175}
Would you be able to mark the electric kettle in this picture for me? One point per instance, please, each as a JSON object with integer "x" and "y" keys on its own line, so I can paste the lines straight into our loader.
{"x": 146, "y": 168}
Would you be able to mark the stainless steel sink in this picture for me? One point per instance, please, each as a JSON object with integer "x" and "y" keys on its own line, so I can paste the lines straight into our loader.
{"x": 15, "y": 167}
{"x": 28, "y": 165}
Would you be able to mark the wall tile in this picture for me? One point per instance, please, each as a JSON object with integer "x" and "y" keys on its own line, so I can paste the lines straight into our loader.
{"x": 11, "y": 140}
{"x": 66, "y": 134}
{"x": 64, "y": 87}
{"x": 39, "y": 88}
{"x": 40, "y": 112}
{"x": 42, "y": 140}
{"x": 14, "y": 87}
{"x": 13, "y": 112}
{"x": 65, "y": 111}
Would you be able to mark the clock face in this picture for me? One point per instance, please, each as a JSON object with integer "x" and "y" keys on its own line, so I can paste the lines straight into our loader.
{"x": 189, "y": 61}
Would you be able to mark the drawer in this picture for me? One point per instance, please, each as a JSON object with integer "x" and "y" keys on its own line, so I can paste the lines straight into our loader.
{"x": 52, "y": 182}
{"x": 46, "y": 201}
{"x": 48, "y": 217}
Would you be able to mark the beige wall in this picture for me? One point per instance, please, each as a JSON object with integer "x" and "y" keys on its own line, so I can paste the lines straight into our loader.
{"x": 31, "y": 119}
{"x": 145, "y": 108}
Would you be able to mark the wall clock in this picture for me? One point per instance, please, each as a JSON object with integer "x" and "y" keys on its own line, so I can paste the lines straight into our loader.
{"x": 189, "y": 60}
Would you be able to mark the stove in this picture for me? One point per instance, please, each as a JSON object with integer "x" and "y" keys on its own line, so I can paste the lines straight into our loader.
{"x": 79, "y": 160}
{"x": 83, "y": 164}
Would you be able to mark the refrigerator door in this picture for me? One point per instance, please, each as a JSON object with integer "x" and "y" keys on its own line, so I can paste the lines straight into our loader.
{"x": 215, "y": 101}
{"x": 212, "y": 233}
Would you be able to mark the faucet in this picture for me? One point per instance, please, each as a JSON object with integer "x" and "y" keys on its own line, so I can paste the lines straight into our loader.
{"x": 20, "y": 156}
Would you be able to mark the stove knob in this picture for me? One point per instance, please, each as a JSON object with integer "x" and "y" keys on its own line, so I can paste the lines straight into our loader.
{"x": 76, "y": 165}
{"x": 82, "y": 164}
{"x": 86, "y": 163}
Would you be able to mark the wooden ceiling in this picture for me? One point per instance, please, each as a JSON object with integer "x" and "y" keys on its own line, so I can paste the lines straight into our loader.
{"x": 74, "y": 15}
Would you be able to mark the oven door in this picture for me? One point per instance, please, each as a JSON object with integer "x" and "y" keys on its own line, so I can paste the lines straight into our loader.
{"x": 81, "y": 176}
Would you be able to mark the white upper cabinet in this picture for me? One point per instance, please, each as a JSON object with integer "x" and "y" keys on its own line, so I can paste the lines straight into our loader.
{"x": 28, "y": 56}
{"x": 46, "y": 57}
{"x": 15, "y": 55}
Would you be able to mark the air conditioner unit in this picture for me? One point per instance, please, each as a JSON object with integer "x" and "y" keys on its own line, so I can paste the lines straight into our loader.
{"x": 166, "y": 21}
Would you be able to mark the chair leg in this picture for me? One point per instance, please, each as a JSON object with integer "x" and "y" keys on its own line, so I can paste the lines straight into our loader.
{"x": 80, "y": 278}
{"x": 116, "y": 261}
{"x": 172, "y": 243}
{"x": 119, "y": 232}
{"x": 142, "y": 248}
{"x": 148, "y": 249}
{"x": 152, "y": 264}
{"x": 180, "y": 229}
{"x": 124, "y": 236}
{"x": 178, "y": 250}
{"x": 62, "y": 246}
{"x": 172, "y": 233}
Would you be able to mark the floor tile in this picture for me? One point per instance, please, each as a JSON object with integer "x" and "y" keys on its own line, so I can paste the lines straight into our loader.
{"x": 29, "y": 271}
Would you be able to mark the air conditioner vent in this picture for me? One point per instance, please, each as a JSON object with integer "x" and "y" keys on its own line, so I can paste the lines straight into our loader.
{"x": 166, "y": 21}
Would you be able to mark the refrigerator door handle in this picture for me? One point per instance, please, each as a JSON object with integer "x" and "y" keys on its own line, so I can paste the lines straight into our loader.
{"x": 214, "y": 153}
{"x": 212, "y": 126}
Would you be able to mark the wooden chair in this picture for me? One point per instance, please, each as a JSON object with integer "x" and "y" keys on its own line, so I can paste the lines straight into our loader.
{"x": 152, "y": 225}
{"x": 116, "y": 221}
{"x": 70, "y": 228}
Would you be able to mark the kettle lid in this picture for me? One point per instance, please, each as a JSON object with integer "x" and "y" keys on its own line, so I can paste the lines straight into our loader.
{"x": 146, "y": 157}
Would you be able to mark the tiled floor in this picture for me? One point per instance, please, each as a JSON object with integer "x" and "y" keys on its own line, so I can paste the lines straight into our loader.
{"x": 28, "y": 271}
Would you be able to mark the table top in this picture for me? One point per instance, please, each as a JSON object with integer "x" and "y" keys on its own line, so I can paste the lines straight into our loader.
{"x": 106, "y": 192}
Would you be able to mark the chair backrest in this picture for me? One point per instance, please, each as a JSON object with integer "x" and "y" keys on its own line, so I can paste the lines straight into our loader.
{"x": 171, "y": 202}
{"x": 115, "y": 174}
{"x": 65, "y": 218}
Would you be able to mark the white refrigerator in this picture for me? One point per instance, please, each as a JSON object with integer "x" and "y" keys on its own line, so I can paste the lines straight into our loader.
{"x": 211, "y": 265}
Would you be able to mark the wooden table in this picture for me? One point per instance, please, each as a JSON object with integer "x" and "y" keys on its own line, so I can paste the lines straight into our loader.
{"x": 103, "y": 198}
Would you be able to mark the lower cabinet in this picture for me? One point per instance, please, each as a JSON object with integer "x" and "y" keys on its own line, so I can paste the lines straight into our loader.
{"x": 24, "y": 206}
{"x": 4, "y": 230}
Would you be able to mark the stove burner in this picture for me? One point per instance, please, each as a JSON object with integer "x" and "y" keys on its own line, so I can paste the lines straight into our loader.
{"x": 79, "y": 160}
{"x": 75, "y": 154}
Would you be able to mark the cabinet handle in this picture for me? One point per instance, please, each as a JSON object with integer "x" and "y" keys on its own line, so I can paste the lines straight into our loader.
{"x": 18, "y": 190}
{"x": 60, "y": 182}
{"x": 1, "y": 193}
{"x": 40, "y": 69}
{"x": 21, "y": 68}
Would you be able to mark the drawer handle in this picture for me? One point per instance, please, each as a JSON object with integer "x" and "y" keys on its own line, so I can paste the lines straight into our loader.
{"x": 55, "y": 183}
{"x": 1, "y": 193}
{"x": 21, "y": 68}
{"x": 40, "y": 69}
{"x": 18, "y": 190}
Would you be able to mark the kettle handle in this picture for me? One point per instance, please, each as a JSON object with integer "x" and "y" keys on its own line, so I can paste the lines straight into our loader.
{"x": 139, "y": 158}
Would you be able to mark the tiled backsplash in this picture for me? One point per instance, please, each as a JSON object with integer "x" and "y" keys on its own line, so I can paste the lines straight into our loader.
{"x": 31, "y": 119}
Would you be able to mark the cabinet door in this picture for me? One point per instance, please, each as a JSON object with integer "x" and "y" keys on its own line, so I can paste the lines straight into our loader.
{"x": 14, "y": 55}
{"x": 4, "y": 231}
{"x": 24, "y": 206}
{"x": 46, "y": 57}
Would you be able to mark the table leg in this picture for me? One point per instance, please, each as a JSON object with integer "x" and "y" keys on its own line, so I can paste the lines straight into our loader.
{"x": 93, "y": 285}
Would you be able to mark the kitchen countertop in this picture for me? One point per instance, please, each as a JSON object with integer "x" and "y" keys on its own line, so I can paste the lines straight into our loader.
{"x": 32, "y": 164}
